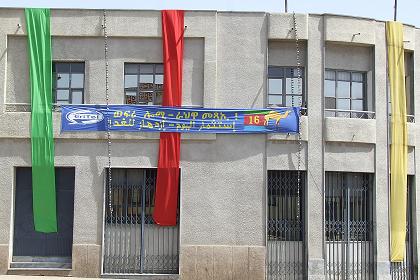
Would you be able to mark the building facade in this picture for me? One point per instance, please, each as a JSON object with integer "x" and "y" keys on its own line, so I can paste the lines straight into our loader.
{"x": 313, "y": 206}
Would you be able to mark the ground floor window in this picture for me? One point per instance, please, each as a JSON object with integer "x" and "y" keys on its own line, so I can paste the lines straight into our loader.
{"x": 285, "y": 225}
{"x": 133, "y": 243}
{"x": 349, "y": 225}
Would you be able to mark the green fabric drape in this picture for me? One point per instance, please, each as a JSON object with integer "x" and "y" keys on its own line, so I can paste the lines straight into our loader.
{"x": 43, "y": 177}
{"x": 398, "y": 197}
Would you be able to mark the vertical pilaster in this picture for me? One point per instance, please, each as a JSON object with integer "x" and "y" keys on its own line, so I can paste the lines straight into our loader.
{"x": 315, "y": 232}
{"x": 416, "y": 58}
{"x": 381, "y": 215}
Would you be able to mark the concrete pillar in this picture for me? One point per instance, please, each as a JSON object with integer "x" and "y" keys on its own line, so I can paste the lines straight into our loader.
{"x": 381, "y": 154}
{"x": 416, "y": 59}
{"x": 315, "y": 230}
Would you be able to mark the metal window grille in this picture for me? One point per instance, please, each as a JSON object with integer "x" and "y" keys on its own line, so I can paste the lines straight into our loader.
{"x": 143, "y": 83}
{"x": 133, "y": 243}
{"x": 407, "y": 269}
{"x": 285, "y": 233}
{"x": 349, "y": 225}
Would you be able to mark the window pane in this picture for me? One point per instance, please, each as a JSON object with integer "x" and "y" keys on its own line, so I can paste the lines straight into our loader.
{"x": 343, "y": 76}
{"x": 275, "y": 100}
{"x": 146, "y": 68}
{"x": 63, "y": 80}
{"x": 158, "y": 98}
{"x": 296, "y": 72}
{"x": 357, "y": 90}
{"x": 159, "y": 82}
{"x": 62, "y": 94}
{"x": 131, "y": 68}
{"x": 275, "y": 86}
{"x": 130, "y": 97}
{"x": 130, "y": 81}
{"x": 77, "y": 68}
{"x": 159, "y": 69}
{"x": 62, "y": 67}
{"x": 297, "y": 86}
{"x": 357, "y": 105}
{"x": 330, "y": 75}
{"x": 343, "y": 89}
{"x": 357, "y": 77}
{"x": 275, "y": 72}
{"x": 77, "y": 80}
{"x": 296, "y": 98}
{"x": 62, "y": 102}
{"x": 343, "y": 104}
{"x": 329, "y": 103}
{"x": 146, "y": 82}
{"x": 330, "y": 113}
{"x": 145, "y": 97}
{"x": 77, "y": 97}
{"x": 329, "y": 88}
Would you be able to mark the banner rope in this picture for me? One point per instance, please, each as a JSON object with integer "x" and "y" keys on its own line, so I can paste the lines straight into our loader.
{"x": 108, "y": 133}
{"x": 299, "y": 89}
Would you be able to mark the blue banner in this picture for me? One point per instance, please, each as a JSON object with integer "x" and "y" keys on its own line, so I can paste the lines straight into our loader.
{"x": 137, "y": 118}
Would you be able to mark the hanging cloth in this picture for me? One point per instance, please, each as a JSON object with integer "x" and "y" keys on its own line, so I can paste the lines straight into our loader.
{"x": 398, "y": 197}
{"x": 167, "y": 184}
{"x": 43, "y": 177}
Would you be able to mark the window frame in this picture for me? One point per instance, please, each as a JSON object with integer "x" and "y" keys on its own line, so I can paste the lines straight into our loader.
{"x": 364, "y": 99}
{"x": 138, "y": 90}
{"x": 286, "y": 73}
{"x": 55, "y": 88}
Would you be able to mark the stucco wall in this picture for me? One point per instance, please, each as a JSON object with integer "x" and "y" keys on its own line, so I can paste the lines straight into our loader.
{"x": 90, "y": 50}
{"x": 223, "y": 184}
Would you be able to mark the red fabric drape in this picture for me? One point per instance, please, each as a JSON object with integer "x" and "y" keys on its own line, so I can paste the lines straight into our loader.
{"x": 167, "y": 184}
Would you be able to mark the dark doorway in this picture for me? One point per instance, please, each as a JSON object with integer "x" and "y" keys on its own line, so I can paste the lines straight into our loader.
{"x": 26, "y": 241}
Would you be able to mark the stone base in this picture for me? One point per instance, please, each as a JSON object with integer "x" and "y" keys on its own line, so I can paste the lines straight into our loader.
{"x": 222, "y": 262}
{"x": 86, "y": 260}
{"x": 383, "y": 270}
{"x": 316, "y": 269}
{"x": 4, "y": 258}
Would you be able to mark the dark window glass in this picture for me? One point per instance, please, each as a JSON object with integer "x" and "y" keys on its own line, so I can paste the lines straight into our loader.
{"x": 285, "y": 86}
{"x": 68, "y": 82}
{"x": 143, "y": 83}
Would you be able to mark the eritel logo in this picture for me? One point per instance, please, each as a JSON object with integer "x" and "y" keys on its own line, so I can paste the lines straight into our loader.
{"x": 84, "y": 117}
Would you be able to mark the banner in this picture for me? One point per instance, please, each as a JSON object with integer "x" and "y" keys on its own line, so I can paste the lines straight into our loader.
{"x": 43, "y": 176}
{"x": 167, "y": 180}
{"x": 137, "y": 118}
{"x": 398, "y": 197}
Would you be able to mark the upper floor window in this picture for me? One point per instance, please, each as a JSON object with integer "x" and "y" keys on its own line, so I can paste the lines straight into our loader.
{"x": 143, "y": 83}
{"x": 345, "y": 94}
{"x": 68, "y": 82}
{"x": 409, "y": 88}
{"x": 286, "y": 86}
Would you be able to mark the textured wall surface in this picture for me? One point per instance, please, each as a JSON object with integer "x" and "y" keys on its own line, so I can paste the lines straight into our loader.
{"x": 223, "y": 184}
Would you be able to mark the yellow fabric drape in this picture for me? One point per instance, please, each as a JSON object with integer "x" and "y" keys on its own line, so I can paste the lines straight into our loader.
{"x": 398, "y": 198}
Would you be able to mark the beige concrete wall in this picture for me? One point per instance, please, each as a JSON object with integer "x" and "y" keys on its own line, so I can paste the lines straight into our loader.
{"x": 90, "y": 50}
{"x": 223, "y": 192}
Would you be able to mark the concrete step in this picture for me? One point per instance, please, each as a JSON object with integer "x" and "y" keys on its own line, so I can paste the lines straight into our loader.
{"x": 25, "y": 272}
{"x": 41, "y": 259}
{"x": 40, "y": 265}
